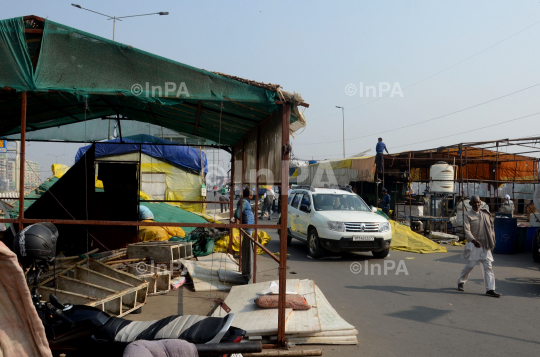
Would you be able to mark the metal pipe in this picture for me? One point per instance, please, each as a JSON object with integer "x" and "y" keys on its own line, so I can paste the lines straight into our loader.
{"x": 266, "y": 250}
{"x": 257, "y": 165}
{"x": 231, "y": 205}
{"x": 139, "y": 193}
{"x": 215, "y": 349}
{"x": 135, "y": 224}
{"x": 22, "y": 161}
{"x": 283, "y": 238}
{"x": 241, "y": 237}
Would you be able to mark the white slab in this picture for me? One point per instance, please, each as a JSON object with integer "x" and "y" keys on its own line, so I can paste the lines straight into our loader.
{"x": 305, "y": 321}
{"x": 248, "y": 316}
{"x": 204, "y": 272}
{"x": 330, "y": 319}
{"x": 233, "y": 277}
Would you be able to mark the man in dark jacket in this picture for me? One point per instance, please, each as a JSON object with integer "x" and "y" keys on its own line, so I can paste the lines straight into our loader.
{"x": 380, "y": 148}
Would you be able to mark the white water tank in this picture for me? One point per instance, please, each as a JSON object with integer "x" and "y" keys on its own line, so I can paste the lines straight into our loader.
{"x": 441, "y": 176}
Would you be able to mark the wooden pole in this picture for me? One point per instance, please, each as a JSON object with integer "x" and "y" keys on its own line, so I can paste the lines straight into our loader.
{"x": 22, "y": 161}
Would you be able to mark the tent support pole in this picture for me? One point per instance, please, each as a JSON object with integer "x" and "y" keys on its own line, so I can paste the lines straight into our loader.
{"x": 136, "y": 239}
{"x": 22, "y": 161}
{"x": 286, "y": 112}
{"x": 231, "y": 204}
{"x": 256, "y": 206}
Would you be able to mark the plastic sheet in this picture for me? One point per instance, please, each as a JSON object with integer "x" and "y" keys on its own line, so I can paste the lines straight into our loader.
{"x": 156, "y": 233}
{"x": 404, "y": 239}
{"x": 222, "y": 244}
{"x": 165, "y": 150}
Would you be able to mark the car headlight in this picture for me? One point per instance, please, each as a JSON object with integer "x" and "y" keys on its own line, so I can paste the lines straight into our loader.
{"x": 336, "y": 226}
{"x": 384, "y": 227}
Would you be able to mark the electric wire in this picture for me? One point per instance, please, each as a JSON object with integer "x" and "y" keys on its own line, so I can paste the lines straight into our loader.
{"x": 446, "y": 69}
{"x": 424, "y": 121}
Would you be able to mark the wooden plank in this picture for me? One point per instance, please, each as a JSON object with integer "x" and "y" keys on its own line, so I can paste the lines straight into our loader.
{"x": 113, "y": 273}
{"x": 67, "y": 297}
{"x": 248, "y": 316}
{"x": 93, "y": 277}
{"x": 82, "y": 287}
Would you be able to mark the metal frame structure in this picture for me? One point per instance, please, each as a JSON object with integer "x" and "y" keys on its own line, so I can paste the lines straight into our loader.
{"x": 282, "y": 260}
{"x": 283, "y": 113}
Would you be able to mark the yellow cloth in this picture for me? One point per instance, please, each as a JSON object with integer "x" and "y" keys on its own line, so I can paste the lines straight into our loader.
{"x": 59, "y": 170}
{"x": 222, "y": 244}
{"x": 404, "y": 239}
{"x": 148, "y": 233}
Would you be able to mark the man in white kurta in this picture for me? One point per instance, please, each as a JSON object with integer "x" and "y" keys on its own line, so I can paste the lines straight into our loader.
{"x": 480, "y": 242}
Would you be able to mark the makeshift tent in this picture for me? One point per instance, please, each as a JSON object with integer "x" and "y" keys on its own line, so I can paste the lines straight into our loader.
{"x": 163, "y": 212}
{"x": 168, "y": 172}
{"x": 184, "y": 157}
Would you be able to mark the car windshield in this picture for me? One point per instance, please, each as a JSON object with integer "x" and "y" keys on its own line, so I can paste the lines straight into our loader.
{"x": 336, "y": 202}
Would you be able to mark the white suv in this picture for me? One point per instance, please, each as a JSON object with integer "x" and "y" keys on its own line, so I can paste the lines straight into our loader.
{"x": 336, "y": 220}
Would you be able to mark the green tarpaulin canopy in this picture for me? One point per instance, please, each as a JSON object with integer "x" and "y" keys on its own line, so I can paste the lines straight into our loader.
{"x": 72, "y": 76}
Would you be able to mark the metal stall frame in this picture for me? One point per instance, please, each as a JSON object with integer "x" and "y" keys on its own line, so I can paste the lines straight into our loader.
{"x": 282, "y": 260}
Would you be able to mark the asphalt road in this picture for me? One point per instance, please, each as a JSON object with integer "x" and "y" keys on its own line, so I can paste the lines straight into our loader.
{"x": 421, "y": 313}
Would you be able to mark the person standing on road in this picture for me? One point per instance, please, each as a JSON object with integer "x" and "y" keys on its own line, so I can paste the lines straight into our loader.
{"x": 215, "y": 191}
{"x": 380, "y": 148}
{"x": 268, "y": 201}
{"x": 223, "y": 190}
{"x": 386, "y": 202}
{"x": 247, "y": 245}
{"x": 224, "y": 202}
{"x": 480, "y": 236}
{"x": 290, "y": 189}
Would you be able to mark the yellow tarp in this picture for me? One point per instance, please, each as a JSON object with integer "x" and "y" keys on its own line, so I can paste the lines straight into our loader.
{"x": 59, "y": 170}
{"x": 222, "y": 244}
{"x": 404, "y": 239}
{"x": 157, "y": 233}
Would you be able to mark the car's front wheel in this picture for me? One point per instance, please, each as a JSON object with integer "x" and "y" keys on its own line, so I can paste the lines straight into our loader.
{"x": 381, "y": 253}
{"x": 314, "y": 245}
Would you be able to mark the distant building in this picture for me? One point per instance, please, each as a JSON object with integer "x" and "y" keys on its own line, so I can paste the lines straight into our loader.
{"x": 8, "y": 174}
{"x": 31, "y": 175}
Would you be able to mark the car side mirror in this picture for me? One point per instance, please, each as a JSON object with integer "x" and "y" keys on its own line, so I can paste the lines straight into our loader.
{"x": 374, "y": 209}
{"x": 304, "y": 208}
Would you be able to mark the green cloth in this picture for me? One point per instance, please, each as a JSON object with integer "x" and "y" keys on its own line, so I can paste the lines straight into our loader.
{"x": 200, "y": 246}
{"x": 77, "y": 69}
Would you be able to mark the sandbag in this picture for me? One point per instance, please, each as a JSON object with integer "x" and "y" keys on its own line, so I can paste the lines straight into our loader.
{"x": 296, "y": 302}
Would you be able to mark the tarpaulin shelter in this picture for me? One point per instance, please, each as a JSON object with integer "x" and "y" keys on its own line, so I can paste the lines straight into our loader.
{"x": 168, "y": 171}
{"x": 185, "y": 157}
{"x": 52, "y": 75}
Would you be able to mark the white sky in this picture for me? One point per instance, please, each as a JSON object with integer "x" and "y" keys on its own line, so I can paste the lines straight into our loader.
{"x": 317, "y": 48}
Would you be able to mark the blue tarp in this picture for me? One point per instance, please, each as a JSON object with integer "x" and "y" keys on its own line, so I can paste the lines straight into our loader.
{"x": 181, "y": 156}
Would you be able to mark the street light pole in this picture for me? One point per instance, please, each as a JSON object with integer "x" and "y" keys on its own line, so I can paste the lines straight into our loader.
{"x": 343, "y": 112}
{"x": 114, "y": 18}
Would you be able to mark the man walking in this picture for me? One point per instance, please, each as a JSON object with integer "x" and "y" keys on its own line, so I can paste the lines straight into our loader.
{"x": 380, "y": 148}
{"x": 386, "y": 202}
{"x": 224, "y": 202}
{"x": 480, "y": 242}
{"x": 268, "y": 201}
